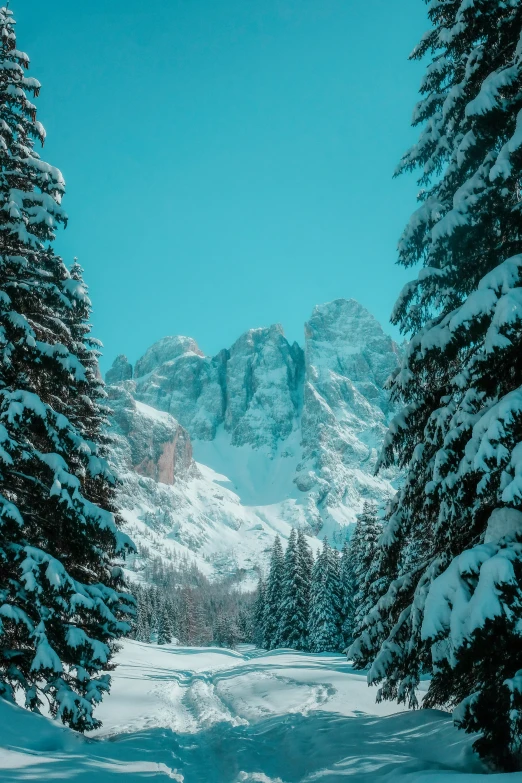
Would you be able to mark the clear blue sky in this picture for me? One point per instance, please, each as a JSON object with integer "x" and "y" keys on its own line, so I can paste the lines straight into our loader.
{"x": 228, "y": 162}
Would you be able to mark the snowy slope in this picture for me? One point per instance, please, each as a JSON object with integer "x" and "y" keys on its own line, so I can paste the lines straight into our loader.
{"x": 194, "y": 512}
{"x": 218, "y": 454}
{"x": 220, "y": 716}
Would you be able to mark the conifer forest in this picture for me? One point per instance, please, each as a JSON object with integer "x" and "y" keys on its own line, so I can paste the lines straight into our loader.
{"x": 297, "y": 558}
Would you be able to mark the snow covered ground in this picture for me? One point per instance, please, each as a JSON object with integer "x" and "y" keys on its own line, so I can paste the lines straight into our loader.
{"x": 206, "y": 715}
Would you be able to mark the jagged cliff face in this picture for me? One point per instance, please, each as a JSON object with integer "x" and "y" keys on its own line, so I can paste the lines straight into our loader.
{"x": 252, "y": 390}
{"x": 151, "y": 443}
{"x": 292, "y": 433}
{"x": 345, "y": 410}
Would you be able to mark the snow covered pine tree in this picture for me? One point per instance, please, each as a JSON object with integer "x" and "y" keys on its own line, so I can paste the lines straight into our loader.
{"x": 294, "y": 600}
{"x": 258, "y": 614}
{"x": 61, "y": 605}
{"x": 365, "y": 562}
{"x": 273, "y": 594}
{"x": 307, "y": 563}
{"x": 359, "y": 570}
{"x": 165, "y": 632}
{"x": 451, "y": 553}
{"x": 324, "y": 627}
{"x": 347, "y": 581}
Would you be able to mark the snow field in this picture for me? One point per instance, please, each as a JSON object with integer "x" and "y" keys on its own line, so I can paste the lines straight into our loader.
{"x": 209, "y": 715}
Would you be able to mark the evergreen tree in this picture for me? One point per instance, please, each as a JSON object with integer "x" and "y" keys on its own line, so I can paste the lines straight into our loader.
{"x": 173, "y": 618}
{"x": 360, "y": 572}
{"x": 324, "y": 628}
{"x": 272, "y": 615}
{"x": 244, "y": 624}
{"x": 337, "y": 593}
{"x": 364, "y": 563}
{"x": 201, "y": 627}
{"x": 61, "y": 599}
{"x": 165, "y": 627}
{"x": 226, "y": 632}
{"x": 187, "y": 623}
{"x": 448, "y": 601}
{"x": 151, "y": 613}
{"x": 141, "y": 625}
{"x": 156, "y": 611}
{"x": 307, "y": 564}
{"x": 347, "y": 581}
{"x": 258, "y": 614}
{"x": 294, "y": 602}
{"x": 190, "y": 601}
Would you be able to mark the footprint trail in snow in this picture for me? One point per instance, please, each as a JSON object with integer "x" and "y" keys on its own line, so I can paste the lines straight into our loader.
{"x": 208, "y": 715}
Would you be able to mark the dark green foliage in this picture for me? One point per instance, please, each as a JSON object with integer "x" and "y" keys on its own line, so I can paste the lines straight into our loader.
{"x": 226, "y": 632}
{"x": 458, "y": 433}
{"x": 195, "y": 611}
{"x": 258, "y": 615}
{"x": 165, "y": 631}
{"x": 273, "y": 595}
{"x": 62, "y": 607}
{"x": 484, "y": 681}
{"x": 348, "y": 588}
{"x": 294, "y": 597}
{"x": 315, "y": 602}
{"x": 364, "y": 562}
{"x": 325, "y": 620}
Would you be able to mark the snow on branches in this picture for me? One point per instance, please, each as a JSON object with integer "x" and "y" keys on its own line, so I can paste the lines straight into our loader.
{"x": 448, "y": 588}
{"x": 62, "y": 603}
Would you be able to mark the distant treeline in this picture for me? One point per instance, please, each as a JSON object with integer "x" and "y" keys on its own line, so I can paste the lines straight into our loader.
{"x": 305, "y": 603}
{"x": 176, "y": 602}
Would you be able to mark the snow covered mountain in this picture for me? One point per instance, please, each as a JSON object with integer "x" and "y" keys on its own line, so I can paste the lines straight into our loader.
{"x": 218, "y": 454}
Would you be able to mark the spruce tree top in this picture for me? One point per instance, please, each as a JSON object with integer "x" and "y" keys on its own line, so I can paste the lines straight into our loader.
{"x": 31, "y": 189}
{"x": 469, "y": 152}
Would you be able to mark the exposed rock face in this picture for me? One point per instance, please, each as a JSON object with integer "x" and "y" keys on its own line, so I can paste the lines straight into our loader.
{"x": 345, "y": 412}
{"x": 154, "y": 444}
{"x": 253, "y": 389}
{"x": 343, "y": 340}
{"x": 263, "y": 382}
{"x": 174, "y": 376}
{"x": 120, "y": 371}
{"x": 293, "y": 434}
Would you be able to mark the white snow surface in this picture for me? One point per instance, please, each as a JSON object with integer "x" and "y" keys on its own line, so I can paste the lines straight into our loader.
{"x": 503, "y": 522}
{"x": 209, "y": 715}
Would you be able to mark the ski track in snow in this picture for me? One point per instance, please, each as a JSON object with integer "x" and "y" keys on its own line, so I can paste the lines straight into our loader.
{"x": 206, "y": 715}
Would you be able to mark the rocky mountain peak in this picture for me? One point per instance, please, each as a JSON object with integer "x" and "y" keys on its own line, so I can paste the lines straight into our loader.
{"x": 262, "y": 379}
{"x": 295, "y": 432}
{"x": 343, "y": 337}
{"x": 346, "y": 322}
{"x": 261, "y": 334}
{"x": 120, "y": 371}
{"x": 165, "y": 350}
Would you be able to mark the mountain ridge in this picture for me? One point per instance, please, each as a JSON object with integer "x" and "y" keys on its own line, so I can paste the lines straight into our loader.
{"x": 293, "y": 432}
